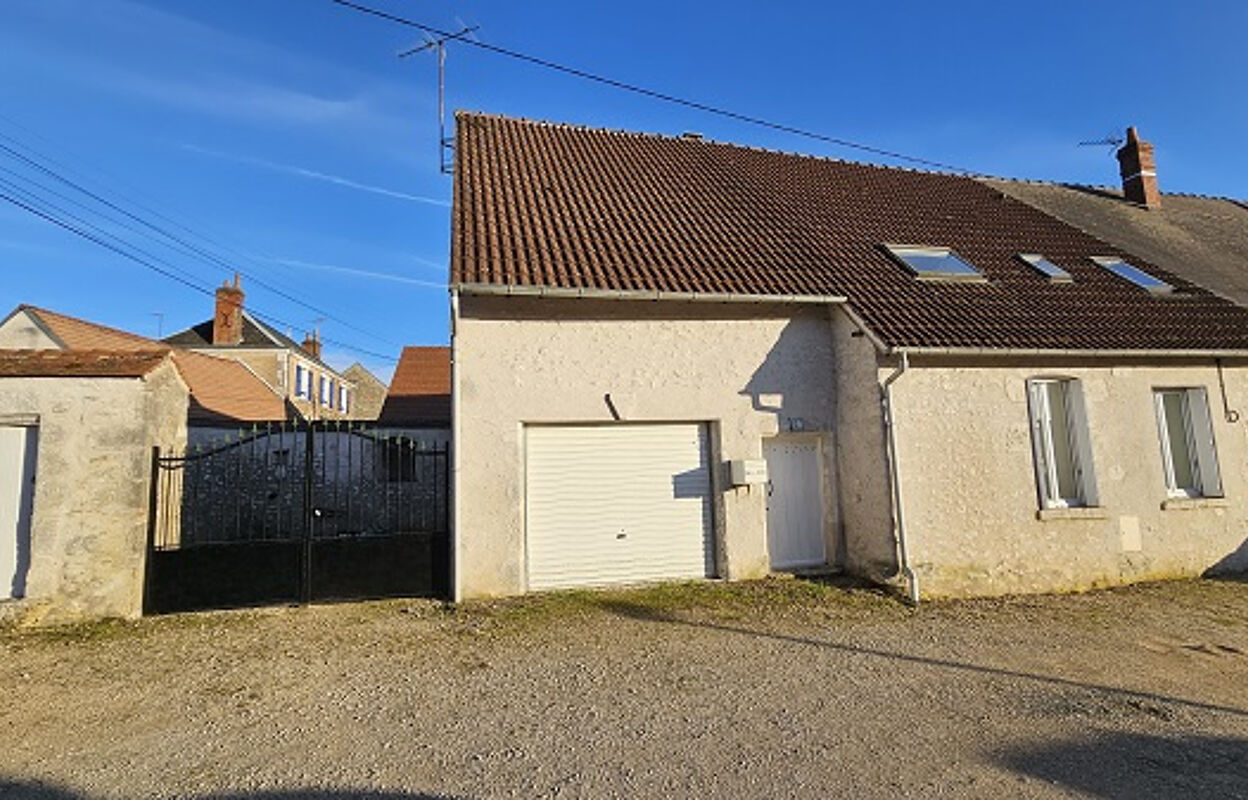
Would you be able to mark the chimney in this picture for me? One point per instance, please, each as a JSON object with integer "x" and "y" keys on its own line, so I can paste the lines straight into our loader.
{"x": 312, "y": 344}
{"x": 1139, "y": 171}
{"x": 227, "y": 322}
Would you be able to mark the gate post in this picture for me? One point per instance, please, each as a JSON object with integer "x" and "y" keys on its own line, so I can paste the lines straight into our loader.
{"x": 153, "y": 509}
{"x": 305, "y": 567}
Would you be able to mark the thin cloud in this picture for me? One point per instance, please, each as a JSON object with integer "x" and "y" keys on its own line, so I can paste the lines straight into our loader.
{"x": 312, "y": 174}
{"x": 360, "y": 273}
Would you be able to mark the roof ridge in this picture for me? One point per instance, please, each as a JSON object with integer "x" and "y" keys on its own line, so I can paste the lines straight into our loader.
{"x": 624, "y": 132}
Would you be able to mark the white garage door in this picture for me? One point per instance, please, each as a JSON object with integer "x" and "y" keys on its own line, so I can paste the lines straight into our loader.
{"x": 617, "y": 503}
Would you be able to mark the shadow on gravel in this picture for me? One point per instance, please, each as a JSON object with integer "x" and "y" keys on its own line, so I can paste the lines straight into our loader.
{"x": 27, "y": 790}
{"x": 649, "y": 614}
{"x": 1128, "y": 765}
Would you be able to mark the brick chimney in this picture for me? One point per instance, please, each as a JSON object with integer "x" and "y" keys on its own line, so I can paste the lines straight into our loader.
{"x": 227, "y": 322}
{"x": 1139, "y": 171}
{"x": 312, "y": 344}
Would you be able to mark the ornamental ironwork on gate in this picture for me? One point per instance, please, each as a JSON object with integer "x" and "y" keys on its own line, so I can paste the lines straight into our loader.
{"x": 299, "y": 512}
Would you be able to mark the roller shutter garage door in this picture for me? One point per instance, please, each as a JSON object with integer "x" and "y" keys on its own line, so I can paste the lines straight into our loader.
{"x": 617, "y": 504}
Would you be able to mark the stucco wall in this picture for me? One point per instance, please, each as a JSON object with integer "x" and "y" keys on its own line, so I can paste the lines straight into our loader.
{"x": 969, "y": 482}
{"x": 89, "y": 522}
{"x": 19, "y": 332}
{"x": 748, "y": 369}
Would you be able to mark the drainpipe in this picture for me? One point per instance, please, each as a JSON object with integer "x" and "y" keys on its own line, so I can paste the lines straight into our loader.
{"x": 456, "y": 587}
{"x": 894, "y": 475}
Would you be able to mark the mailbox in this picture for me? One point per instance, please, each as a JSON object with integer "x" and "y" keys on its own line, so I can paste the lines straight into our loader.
{"x": 745, "y": 472}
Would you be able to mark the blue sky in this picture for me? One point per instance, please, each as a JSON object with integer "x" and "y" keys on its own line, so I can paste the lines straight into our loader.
{"x": 288, "y": 135}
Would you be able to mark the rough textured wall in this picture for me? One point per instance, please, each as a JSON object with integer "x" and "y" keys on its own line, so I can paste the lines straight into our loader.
{"x": 89, "y": 522}
{"x": 970, "y": 489}
{"x": 749, "y": 369}
{"x": 863, "y": 488}
{"x": 370, "y": 393}
{"x": 19, "y": 332}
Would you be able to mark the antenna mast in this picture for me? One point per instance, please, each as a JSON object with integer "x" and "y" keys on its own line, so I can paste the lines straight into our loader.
{"x": 445, "y": 144}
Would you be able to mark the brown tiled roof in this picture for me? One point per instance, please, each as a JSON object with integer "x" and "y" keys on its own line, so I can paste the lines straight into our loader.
{"x": 1204, "y": 239}
{"x": 222, "y": 390}
{"x": 540, "y": 204}
{"x": 79, "y": 363}
{"x": 420, "y": 391}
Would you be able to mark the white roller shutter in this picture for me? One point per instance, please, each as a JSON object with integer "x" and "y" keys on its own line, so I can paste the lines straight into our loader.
{"x": 617, "y": 504}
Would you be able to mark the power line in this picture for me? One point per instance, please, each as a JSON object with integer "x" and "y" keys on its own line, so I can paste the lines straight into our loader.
{"x": 153, "y": 263}
{"x": 655, "y": 94}
{"x": 199, "y": 252}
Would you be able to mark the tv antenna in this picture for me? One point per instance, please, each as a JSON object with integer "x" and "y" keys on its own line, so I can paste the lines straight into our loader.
{"x": 446, "y": 147}
{"x": 160, "y": 323}
{"x": 1112, "y": 141}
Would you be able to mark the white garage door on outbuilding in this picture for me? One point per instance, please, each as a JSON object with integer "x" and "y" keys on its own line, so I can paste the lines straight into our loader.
{"x": 617, "y": 504}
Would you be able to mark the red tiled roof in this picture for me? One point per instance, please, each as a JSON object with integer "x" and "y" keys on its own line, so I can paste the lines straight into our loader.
{"x": 222, "y": 390}
{"x": 420, "y": 391}
{"x": 540, "y": 204}
{"x": 79, "y": 363}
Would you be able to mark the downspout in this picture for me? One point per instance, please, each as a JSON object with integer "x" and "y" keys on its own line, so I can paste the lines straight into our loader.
{"x": 894, "y": 475}
{"x": 453, "y": 532}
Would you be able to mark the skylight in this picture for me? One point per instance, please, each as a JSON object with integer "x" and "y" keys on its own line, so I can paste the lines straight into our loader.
{"x": 1137, "y": 276}
{"x": 934, "y": 263}
{"x": 1045, "y": 267}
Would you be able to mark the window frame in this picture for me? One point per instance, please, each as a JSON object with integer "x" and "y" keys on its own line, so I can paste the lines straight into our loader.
{"x": 898, "y": 253}
{"x": 1044, "y": 459}
{"x": 299, "y": 373}
{"x": 1129, "y": 273}
{"x": 1052, "y": 272}
{"x": 1200, "y": 442}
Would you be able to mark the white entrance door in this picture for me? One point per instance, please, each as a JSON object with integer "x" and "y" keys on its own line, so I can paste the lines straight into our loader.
{"x": 794, "y": 503}
{"x": 17, "y": 491}
{"x": 617, "y": 504}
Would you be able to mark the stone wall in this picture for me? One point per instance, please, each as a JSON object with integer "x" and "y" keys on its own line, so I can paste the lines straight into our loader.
{"x": 89, "y": 522}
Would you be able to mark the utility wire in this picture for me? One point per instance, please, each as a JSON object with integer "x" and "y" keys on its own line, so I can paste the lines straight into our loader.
{"x": 652, "y": 93}
{"x": 153, "y": 263}
{"x": 202, "y": 253}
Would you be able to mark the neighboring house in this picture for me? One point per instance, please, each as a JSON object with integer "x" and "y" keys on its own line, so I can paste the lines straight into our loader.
{"x": 677, "y": 359}
{"x": 223, "y": 393}
{"x": 77, "y": 433}
{"x": 420, "y": 391}
{"x": 296, "y": 372}
{"x": 370, "y": 393}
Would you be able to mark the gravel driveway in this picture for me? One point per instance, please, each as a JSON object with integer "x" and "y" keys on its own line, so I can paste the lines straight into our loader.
{"x": 782, "y": 688}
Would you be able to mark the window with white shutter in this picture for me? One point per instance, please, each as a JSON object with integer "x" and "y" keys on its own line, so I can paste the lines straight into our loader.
{"x": 1188, "y": 455}
{"x": 1060, "y": 443}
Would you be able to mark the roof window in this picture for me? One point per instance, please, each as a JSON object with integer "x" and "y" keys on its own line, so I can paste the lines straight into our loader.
{"x": 1137, "y": 276}
{"x": 934, "y": 263}
{"x": 1045, "y": 267}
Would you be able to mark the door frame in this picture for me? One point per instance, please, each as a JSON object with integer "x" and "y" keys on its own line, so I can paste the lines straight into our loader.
{"x": 827, "y": 522}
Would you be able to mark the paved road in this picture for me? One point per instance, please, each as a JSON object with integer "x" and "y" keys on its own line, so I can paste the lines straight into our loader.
{"x": 776, "y": 689}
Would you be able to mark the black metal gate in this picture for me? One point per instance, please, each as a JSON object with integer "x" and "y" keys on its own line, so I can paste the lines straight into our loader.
{"x": 299, "y": 512}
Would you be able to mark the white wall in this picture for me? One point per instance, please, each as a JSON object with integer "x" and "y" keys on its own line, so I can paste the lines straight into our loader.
{"x": 750, "y": 370}
{"x": 970, "y": 491}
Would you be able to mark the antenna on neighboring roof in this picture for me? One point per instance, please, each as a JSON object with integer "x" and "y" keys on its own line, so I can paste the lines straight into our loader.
{"x": 160, "y": 323}
{"x": 438, "y": 45}
{"x": 1112, "y": 141}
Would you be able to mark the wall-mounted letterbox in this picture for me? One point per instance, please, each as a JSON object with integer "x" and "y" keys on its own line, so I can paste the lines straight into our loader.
{"x": 748, "y": 471}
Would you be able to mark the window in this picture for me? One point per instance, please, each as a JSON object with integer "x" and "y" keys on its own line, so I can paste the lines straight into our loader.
{"x": 300, "y": 389}
{"x": 1059, "y": 440}
{"x": 934, "y": 263}
{"x": 1137, "y": 276}
{"x": 343, "y": 405}
{"x": 1188, "y": 456}
{"x": 1045, "y": 267}
{"x": 323, "y": 390}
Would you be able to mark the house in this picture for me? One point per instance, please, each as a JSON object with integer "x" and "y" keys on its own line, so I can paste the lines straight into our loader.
{"x": 296, "y": 372}
{"x": 420, "y": 390}
{"x": 370, "y": 393}
{"x": 674, "y": 358}
{"x": 223, "y": 393}
{"x": 77, "y": 433}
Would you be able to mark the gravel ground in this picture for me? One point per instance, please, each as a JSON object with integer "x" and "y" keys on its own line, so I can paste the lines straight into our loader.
{"x": 781, "y": 688}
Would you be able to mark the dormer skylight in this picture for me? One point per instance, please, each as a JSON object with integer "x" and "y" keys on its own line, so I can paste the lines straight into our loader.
{"x": 1137, "y": 276}
{"x": 934, "y": 263}
{"x": 1045, "y": 267}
